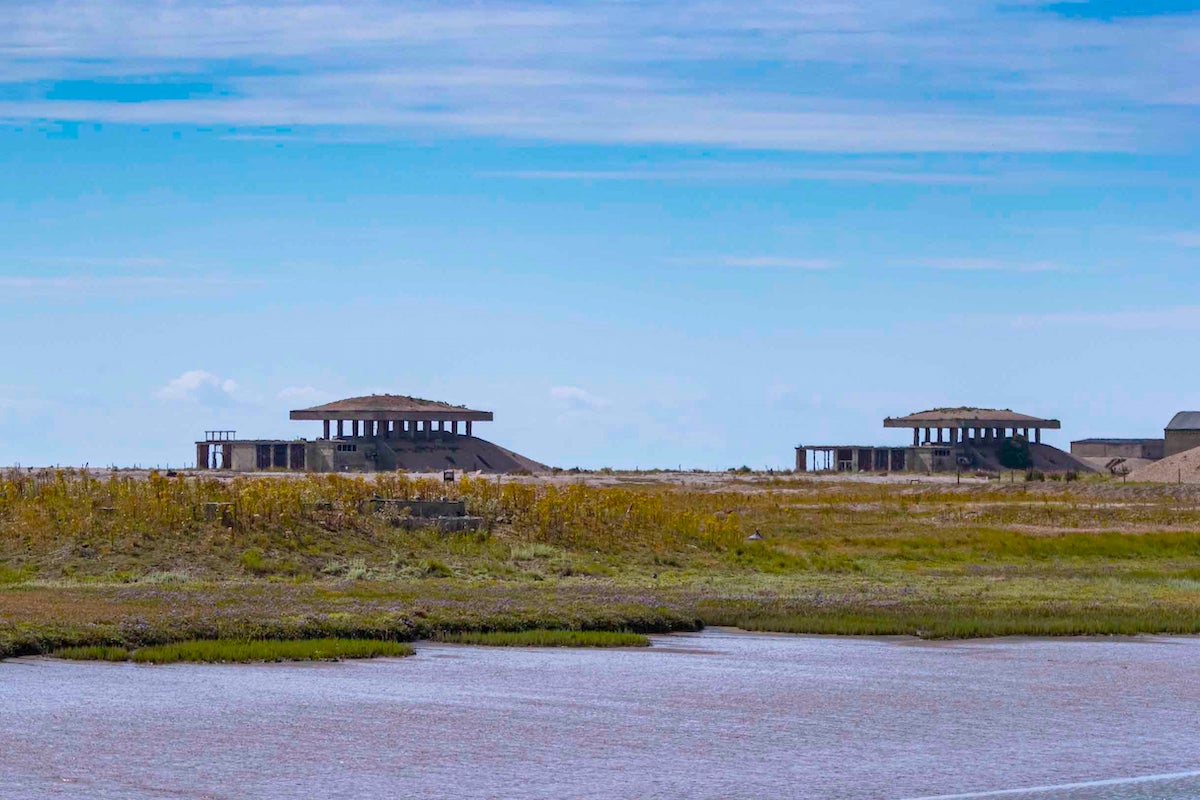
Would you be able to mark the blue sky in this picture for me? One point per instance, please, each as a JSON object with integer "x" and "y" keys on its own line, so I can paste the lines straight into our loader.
{"x": 644, "y": 234}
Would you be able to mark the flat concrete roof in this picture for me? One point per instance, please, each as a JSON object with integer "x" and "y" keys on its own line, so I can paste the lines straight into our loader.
{"x": 970, "y": 417}
{"x": 383, "y": 407}
{"x": 860, "y": 446}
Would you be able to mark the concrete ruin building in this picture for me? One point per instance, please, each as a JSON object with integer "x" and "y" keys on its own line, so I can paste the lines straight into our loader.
{"x": 943, "y": 440}
{"x": 1118, "y": 456}
{"x": 369, "y": 434}
{"x": 1121, "y": 456}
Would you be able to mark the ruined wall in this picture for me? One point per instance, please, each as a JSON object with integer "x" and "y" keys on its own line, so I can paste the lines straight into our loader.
{"x": 1135, "y": 448}
{"x": 1178, "y": 441}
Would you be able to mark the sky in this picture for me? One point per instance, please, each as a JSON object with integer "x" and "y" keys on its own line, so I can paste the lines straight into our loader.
{"x": 644, "y": 234}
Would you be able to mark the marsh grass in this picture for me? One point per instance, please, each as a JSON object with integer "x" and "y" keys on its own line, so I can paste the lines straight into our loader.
{"x": 93, "y": 653}
{"x": 217, "y": 651}
{"x": 948, "y": 623}
{"x": 549, "y": 638}
{"x": 139, "y": 561}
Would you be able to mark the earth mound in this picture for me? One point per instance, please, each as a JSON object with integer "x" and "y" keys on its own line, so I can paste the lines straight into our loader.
{"x": 1042, "y": 457}
{"x": 467, "y": 453}
{"x": 1180, "y": 468}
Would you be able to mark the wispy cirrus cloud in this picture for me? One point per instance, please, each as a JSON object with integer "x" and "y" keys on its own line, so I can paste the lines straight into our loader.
{"x": 990, "y": 265}
{"x": 1178, "y": 238}
{"x": 92, "y": 285}
{"x": 1170, "y": 318}
{"x": 301, "y": 394}
{"x": 780, "y": 262}
{"x": 651, "y": 73}
{"x": 759, "y": 173}
{"x": 776, "y": 262}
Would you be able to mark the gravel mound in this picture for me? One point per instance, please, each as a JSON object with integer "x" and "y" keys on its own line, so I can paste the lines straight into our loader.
{"x": 1180, "y": 468}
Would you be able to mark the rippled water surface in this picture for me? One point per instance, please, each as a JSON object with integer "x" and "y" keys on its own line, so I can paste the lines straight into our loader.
{"x": 711, "y": 715}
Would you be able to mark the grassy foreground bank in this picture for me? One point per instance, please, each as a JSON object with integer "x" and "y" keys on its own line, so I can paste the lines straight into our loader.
{"x": 139, "y": 562}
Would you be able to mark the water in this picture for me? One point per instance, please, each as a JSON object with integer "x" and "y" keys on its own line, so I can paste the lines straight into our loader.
{"x": 711, "y": 715}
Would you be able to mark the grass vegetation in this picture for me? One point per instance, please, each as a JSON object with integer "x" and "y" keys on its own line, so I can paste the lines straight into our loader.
{"x": 543, "y": 637}
{"x": 217, "y": 651}
{"x": 96, "y": 652}
{"x": 224, "y": 651}
{"x": 142, "y": 561}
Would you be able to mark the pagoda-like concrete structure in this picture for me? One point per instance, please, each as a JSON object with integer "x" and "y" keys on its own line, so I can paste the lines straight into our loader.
{"x": 390, "y": 416}
{"x": 944, "y": 440}
{"x": 368, "y": 434}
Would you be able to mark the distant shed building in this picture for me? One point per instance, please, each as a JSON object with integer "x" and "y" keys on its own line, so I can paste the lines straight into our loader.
{"x": 1182, "y": 432}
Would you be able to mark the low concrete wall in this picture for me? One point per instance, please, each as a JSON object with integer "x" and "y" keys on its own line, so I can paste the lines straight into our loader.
{"x": 1139, "y": 448}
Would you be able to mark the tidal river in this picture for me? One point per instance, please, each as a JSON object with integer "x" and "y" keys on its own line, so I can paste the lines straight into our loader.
{"x": 711, "y": 715}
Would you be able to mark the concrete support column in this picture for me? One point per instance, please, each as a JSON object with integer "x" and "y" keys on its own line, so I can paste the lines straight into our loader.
{"x": 201, "y": 456}
{"x": 916, "y": 436}
{"x": 468, "y": 427}
{"x": 1037, "y": 435}
{"x": 340, "y": 432}
{"x": 326, "y": 429}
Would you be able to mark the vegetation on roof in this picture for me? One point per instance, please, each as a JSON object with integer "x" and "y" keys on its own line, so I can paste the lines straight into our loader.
{"x": 403, "y": 398}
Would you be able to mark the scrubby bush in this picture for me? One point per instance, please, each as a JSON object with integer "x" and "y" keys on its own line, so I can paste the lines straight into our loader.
{"x": 1014, "y": 453}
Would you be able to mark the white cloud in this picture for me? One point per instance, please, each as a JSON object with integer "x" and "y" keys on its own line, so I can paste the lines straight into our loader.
{"x": 990, "y": 265}
{"x": 575, "y": 399}
{"x": 198, "y": 386}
